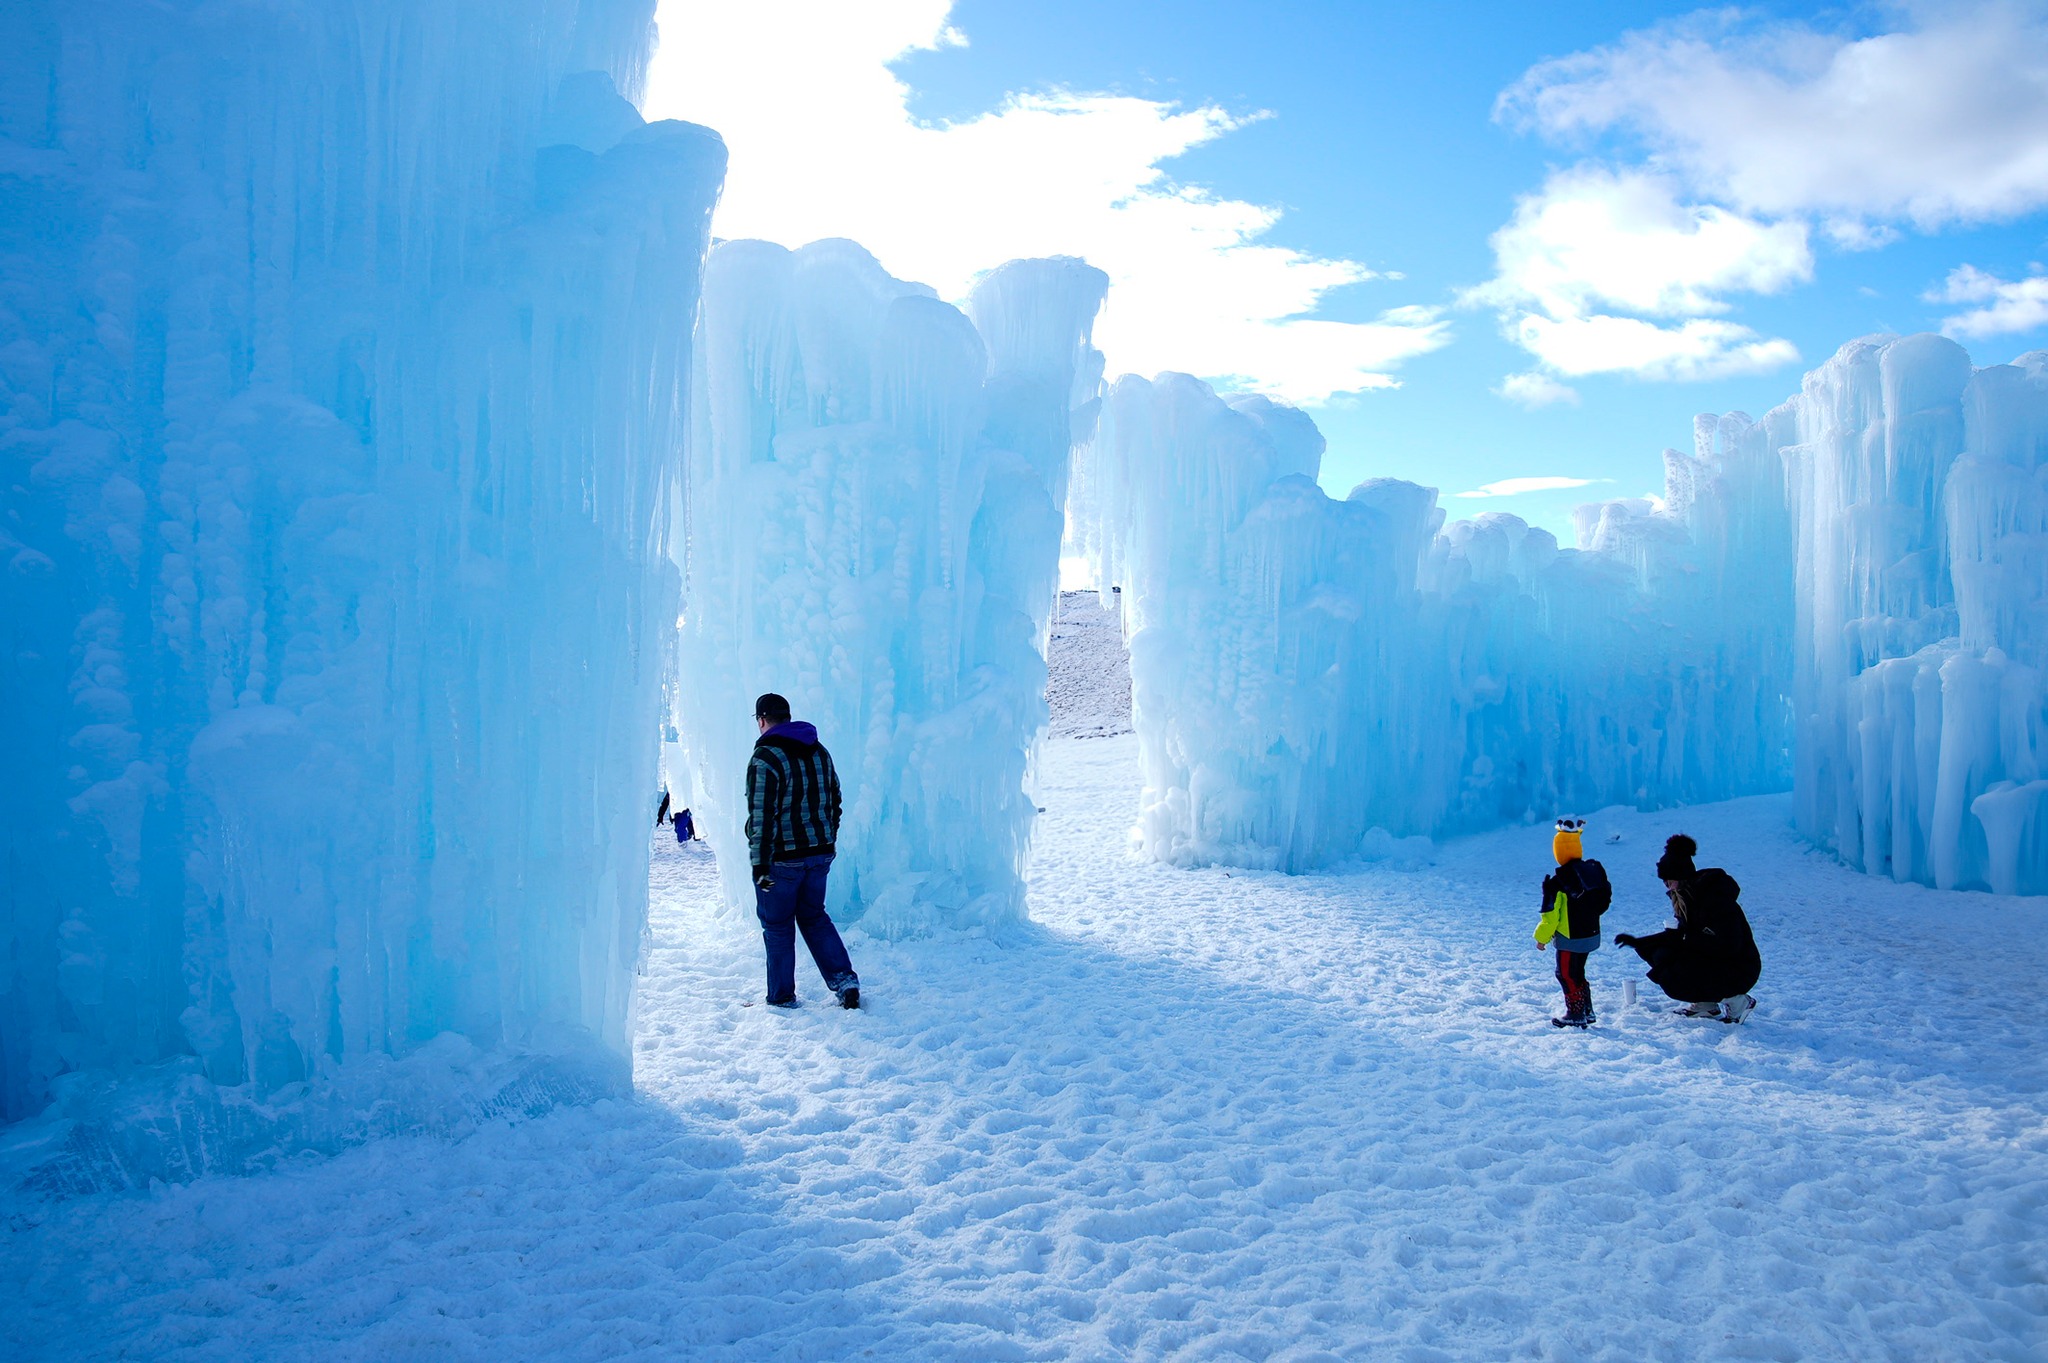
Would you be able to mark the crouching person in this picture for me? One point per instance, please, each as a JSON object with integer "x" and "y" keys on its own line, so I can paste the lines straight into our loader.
{"x": 1709, "y": 962}
{"x": 792, "y": 825}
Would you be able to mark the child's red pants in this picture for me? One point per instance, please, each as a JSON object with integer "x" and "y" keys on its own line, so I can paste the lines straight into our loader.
{"x": 1571, "y": 977}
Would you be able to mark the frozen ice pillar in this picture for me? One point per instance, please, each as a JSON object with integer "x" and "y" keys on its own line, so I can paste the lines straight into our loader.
{"x": 1920, "y": 494}
{"x": 874, "y": 529}
{"x": 340, "y": 376}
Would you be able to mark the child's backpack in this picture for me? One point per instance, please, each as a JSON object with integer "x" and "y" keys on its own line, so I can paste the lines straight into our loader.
{"x": 1589, "y": 899}
{"x": 1574, "y": 897}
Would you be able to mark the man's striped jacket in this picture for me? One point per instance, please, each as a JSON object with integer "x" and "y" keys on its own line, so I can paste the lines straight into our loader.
{"x": 792, "y": 796}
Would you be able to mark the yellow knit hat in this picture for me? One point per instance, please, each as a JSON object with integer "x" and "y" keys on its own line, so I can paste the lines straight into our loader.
{"x": 1564, "y": 845}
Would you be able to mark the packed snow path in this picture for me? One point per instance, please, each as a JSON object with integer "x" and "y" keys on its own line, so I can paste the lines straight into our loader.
{"x": 1188, "y": 1115}
{"x": 1088, "y": 670}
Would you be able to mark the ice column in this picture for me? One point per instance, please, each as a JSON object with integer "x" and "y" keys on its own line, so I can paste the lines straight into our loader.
{"x": 341, "y": 369}
{"x": 1920, "y": 493}
{"x": 1243, "y": 587}
{"x": 875, "y": 483}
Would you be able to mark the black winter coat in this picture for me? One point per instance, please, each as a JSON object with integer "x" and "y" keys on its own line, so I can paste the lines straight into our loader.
{"x": 1711, "y": 954}
{"x": 1574, "y": 897}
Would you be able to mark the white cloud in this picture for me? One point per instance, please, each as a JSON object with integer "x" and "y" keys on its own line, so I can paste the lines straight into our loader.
{"x": 1855, "y": 234}
{"x": 1595, "y": 245}
{"x": 823, "y": 144}
{"x": 2009, "y": 305}
{"x": 1515, "y": 487}
{"x": 1536, "y": 389}
{"x": 1594, "y": 238}
{"x": 1702, "y": 348}
{"x": 1944, "y": 119}
{"x": 1748, "y": 136}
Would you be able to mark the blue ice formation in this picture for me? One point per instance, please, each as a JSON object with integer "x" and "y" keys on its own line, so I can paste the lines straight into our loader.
{"x": 875, "y": 484}
{"x": 1306, "y": 671}
{"x": 1849, "y": 597}
{"x": 1919, "y": 485}
{"x": 341, "y": 361}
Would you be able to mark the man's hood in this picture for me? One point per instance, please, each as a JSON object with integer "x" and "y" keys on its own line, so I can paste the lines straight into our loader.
{"x": 796, "y": 730}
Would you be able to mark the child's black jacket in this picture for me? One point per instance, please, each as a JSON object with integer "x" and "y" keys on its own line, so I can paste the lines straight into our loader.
{"x": 1574, "y": 897}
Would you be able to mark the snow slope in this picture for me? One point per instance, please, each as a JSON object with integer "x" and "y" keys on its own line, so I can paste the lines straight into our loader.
{"x": 1088, "y": 682}
{"x": 1205, "y": 1114}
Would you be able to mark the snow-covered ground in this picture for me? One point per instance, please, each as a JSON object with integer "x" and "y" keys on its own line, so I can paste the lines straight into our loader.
{"x": 1088, "y": 671}
{"x": 1193, "y": 1115}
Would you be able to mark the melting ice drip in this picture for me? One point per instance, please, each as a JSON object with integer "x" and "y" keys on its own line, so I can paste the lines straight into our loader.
{"x": 875, "y": 479}
{"x": 344, "y": 350}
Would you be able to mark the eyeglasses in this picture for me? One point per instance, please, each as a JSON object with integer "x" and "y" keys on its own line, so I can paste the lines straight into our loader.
{"x": 1570, "y": 825}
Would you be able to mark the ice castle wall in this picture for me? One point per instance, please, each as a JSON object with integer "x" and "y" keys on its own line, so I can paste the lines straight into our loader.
{"x": 342, "y": 354}
{"x": 1919, "y": 487}
{"x": 1306, "y": 671}
{"x": 875, "y": 484}
{"x": 1849, "y": 596}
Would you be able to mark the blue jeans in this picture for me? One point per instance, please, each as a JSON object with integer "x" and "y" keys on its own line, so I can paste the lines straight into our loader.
{"x": 796, "y": 903}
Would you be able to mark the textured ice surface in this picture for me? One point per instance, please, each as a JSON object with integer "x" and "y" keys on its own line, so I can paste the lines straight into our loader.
{"x": 1306, "y": 671}
{"x": 875, "y": 483}
{"x": 1860, "y": 578}
{"x": 1920, "y": 488}
{"x": 340, "y": 368}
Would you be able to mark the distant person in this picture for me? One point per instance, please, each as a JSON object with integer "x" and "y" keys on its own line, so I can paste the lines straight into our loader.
{"x": 1574, "y": 897}
{"x": 1709, "y": 962}
{"x": 661, "y": 814}
{"x": 792, "y": 825}
{"x": 686, "y": 827}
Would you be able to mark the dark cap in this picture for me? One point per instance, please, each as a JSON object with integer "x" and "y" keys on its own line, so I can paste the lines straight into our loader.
{"x": 772, "y": 708}
{"x": 1676, "y": 863}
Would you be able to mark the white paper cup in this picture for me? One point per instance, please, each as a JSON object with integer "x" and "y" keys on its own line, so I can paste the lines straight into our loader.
{"x": 1628, "y": 991}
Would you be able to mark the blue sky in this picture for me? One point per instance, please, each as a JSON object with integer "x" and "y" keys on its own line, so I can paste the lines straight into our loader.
{"x": 1479, "y": 242}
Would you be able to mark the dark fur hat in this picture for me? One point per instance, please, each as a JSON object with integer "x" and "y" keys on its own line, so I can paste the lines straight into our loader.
{"x": 1676, "y": 863}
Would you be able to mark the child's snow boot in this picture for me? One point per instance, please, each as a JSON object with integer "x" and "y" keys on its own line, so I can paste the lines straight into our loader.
{"x": 1737, "y": 1008}
{"x": 1581, "y": 1020}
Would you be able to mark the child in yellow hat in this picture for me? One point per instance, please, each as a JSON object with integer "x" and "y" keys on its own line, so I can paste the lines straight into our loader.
{"x": 1574, "y": 897}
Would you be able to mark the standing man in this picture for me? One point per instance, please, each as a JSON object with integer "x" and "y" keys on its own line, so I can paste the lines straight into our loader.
{"x": 792, "y": 824}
